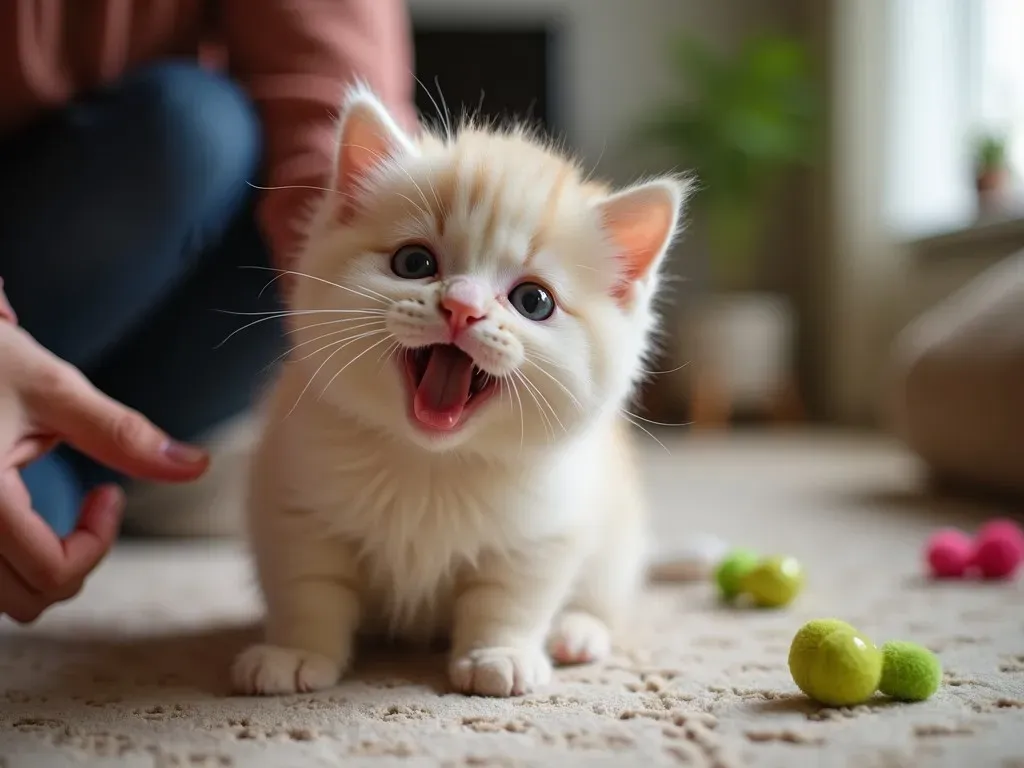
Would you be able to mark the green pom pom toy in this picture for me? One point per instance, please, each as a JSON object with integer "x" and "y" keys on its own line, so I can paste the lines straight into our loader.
{"x": 805, "y": 645}
{"x": 834, "y": 664}
{"x": 837, "y": 666}
{"x": 909, "y": 672}
{"x": 730, "y": 572}
{"x": 773, "y": 582}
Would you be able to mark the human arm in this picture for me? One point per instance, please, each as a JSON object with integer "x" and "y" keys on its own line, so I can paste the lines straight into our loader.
{"x": 294, "y": 59}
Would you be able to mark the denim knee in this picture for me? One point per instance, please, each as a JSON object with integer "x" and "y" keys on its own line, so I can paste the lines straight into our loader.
{"x": 204, "y": 142}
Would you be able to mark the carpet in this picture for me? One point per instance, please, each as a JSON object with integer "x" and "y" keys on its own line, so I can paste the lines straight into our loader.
{"x": 134, "y": 672}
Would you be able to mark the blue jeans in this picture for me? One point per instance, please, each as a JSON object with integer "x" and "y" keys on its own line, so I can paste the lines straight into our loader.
{"x": 125, "y": 219}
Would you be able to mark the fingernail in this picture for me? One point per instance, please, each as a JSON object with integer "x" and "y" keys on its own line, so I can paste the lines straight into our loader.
{"x": 183, "y": 454}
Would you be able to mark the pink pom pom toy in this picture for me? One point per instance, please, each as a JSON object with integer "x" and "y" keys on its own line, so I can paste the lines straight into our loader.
{"x": 949, "y": 552}
{"x": 998, "y": 549}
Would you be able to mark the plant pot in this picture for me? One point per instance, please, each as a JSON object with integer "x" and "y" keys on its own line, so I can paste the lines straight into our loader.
{"x": 993, "y": 188}
{"x": 744, "y": 342}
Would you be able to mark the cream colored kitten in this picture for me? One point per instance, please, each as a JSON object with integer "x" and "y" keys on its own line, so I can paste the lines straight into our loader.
{"x": 444, "y": 453}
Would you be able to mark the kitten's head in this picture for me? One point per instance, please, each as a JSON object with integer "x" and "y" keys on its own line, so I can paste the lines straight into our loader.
{"x": 476, "y": 292}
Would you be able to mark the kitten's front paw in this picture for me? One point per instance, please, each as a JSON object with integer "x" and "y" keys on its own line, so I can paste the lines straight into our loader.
{"x": 271, "y": 670}
{"x": 579, "y": 638}
{"x": 500, "y": 671}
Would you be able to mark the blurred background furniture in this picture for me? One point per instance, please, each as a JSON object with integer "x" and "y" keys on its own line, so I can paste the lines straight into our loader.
{"x": 958, "y": 388}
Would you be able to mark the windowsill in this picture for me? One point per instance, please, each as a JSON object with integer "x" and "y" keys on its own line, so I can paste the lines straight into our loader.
{"x": 987, "y": 236}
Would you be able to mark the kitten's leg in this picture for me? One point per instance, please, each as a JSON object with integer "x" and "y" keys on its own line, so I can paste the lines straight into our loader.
{"x": 604, "y": 593}
{"x": 310, "y": 586}
{"x": 503, "y": 611}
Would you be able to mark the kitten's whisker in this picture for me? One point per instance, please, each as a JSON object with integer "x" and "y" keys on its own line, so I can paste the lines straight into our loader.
{"x": 448, "y": 115}
{"x": 387, "y": 350}
{"x": 335, "y": 376}
{"x": 440, "y": 116}
{"x": 655, "y": 423}
{"x": 649, "y": 434}
{"x": 283, "y": 315}
{"x": 284, "y": 272}
{"x": 529, "y": 390}
{"x": 522, "y": 423}
{"x": 343, "y": 342}
{"x": 321, "y": 367}
{"x": 338, "y": 322}
{"x": 549, "y": 361}
{"x": 325, "y": 336}
{"x": 387, "y": 354}
{"x": 547, "y": 403}
{"x": 661, "y": 373}
{"x": 288, "y": 312}
{"x": 300, "y": 186}
{"x": 562, "y": 386}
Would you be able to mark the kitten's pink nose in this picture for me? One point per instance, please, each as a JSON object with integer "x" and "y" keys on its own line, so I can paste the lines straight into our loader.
{"x": 463, "y": 303}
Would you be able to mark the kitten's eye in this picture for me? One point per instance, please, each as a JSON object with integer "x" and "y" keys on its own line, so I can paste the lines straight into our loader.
{"x": 532, "y": 301}
{"x": 413, "y": 262}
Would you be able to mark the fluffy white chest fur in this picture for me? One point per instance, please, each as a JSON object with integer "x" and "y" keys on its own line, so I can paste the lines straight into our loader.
{"x": 415, "y": 522}
{"x": 444, "y": 453}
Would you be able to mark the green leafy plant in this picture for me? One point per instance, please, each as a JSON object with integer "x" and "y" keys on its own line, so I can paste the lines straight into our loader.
{"x": 990, "y": 154}
{"x": 737, "y": 121}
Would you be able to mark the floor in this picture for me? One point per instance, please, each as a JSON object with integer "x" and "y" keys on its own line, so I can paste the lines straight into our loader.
{"x": 133, "y": 673}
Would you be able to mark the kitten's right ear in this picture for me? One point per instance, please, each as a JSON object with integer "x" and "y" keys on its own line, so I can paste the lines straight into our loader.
{"x": 368, "y": 140}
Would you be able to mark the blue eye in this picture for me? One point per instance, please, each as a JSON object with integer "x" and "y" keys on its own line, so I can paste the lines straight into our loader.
{"x": 532, "y": 301}
{"x": 413, "y": 262}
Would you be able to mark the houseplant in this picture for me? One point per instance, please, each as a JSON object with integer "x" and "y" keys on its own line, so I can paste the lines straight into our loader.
{"x": 991, "y": 172}
{"x": 739, "y": 121}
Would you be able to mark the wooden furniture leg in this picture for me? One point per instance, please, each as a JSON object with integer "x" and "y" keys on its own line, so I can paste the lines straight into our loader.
{"x": 709, "y": 402}
{"x": 787, "y": 408}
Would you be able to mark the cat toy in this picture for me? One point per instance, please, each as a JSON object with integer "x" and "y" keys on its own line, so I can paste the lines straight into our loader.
{"x": 770, "y": 582}
{"x": 838, "y": 666}
{"x": 995, "y": 552}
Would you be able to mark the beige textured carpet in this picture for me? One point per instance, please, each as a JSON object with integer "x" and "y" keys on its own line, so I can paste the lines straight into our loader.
{"x": 133, "y": 673}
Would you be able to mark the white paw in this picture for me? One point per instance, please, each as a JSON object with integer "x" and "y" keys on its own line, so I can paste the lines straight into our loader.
{"x": 270, "y": 670}
{"x": 500, "y": 671}
{"x": 579, "y": 638}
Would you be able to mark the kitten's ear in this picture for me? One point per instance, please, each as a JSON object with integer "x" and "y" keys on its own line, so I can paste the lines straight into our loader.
{"x": 368, "y": 139}
{"x": 640, "y": 222}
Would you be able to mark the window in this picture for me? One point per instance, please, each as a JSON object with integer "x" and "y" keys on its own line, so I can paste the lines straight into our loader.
{"x": 1000, "y": 71}
{"x": 957, "y": 71}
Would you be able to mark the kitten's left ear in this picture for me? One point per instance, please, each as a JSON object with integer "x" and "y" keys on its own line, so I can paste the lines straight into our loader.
{"x": 368, "y": 139}
{"x": 640, "y": 223}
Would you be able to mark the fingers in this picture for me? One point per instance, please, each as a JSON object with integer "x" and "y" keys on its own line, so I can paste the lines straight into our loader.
{"x": 44, "y": 562}
{"x": 111, "y": 433}
{"x": 45, "y": 570}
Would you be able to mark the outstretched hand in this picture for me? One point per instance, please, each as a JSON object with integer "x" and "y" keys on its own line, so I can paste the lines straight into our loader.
{"x": 45, "y": 401}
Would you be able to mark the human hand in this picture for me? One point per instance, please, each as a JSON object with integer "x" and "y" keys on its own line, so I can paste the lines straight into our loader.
{"x": 45, "y": 401}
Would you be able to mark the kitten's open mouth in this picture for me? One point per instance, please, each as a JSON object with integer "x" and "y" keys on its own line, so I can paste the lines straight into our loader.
{"x": 446, "y": 385}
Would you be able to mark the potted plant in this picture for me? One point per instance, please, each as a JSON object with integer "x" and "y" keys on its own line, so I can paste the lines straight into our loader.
{"x": 739, "y": 121}
{"x": 991, "y": 172}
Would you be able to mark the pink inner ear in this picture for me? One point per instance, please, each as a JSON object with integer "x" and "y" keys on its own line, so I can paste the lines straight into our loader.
{"x": 366, "y": 142}
{"x": 639, "y": 223}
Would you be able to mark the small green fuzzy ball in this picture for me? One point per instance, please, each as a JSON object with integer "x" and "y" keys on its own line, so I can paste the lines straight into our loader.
{"x": 774, "y": 582}
{"x": 731, "y": 570}
{"x": 834, "y": 664}
{"x": 909, "y": 672}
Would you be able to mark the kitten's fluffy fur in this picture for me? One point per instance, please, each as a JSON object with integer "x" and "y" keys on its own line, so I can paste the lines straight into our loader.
{"x": 519, "y": 535}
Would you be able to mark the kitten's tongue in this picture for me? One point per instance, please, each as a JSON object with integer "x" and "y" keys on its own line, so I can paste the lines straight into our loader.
{"x": 444, "y": 389}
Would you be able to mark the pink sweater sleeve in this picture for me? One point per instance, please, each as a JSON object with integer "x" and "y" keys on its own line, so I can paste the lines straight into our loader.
{"x": 295, "y": 58}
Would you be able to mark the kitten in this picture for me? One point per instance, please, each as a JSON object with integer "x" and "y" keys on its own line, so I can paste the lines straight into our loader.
{"x": 444, "y": 454}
